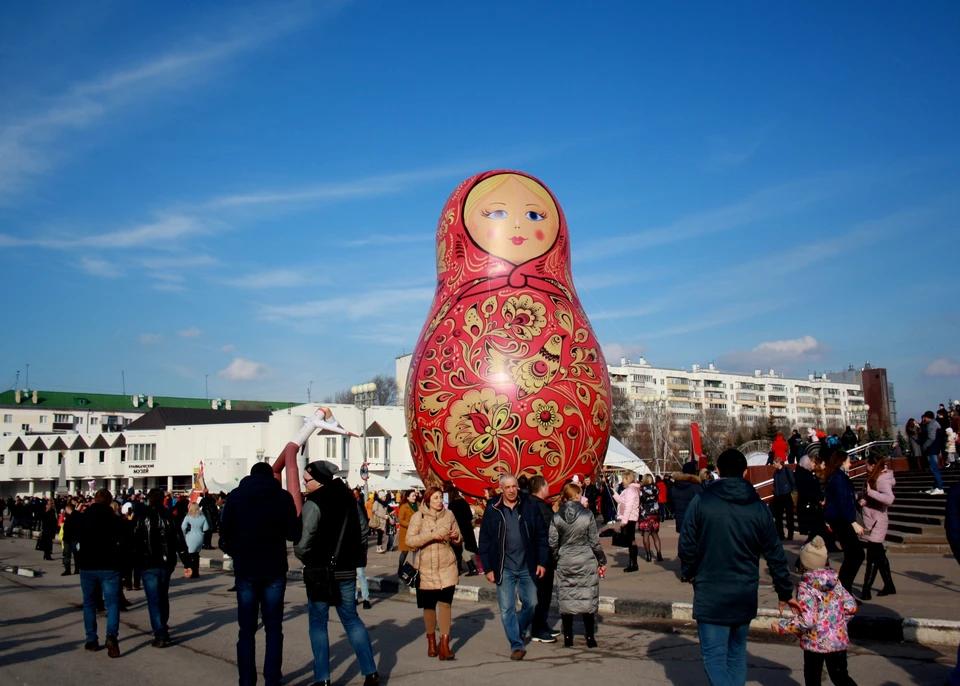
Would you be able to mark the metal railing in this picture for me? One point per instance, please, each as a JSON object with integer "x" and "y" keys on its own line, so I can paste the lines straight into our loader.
{"x": 855, "y": 471}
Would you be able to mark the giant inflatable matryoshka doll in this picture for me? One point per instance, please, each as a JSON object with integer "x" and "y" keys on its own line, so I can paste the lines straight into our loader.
{"x": 507, "y": 375}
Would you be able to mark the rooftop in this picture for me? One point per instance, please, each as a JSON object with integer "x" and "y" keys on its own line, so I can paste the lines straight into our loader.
{"x": 105, "y": 402}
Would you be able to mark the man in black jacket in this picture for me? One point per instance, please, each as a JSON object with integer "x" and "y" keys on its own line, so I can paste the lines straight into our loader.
{"x": 784, "y": 486}
{"x": 514, "y": 548}
{"x": 540, "y": 629}
{"x": 259, "y": 519}
{"x": 101, "y": 538}
{"x": 332, "y": 520}
{"x": 725, "y": 531}
{"x": 157, "y": 542}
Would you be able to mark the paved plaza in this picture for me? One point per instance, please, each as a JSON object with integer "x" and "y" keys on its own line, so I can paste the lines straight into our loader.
{"x": 41, "y": 640}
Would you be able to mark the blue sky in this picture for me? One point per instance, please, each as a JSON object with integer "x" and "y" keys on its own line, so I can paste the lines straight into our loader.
{"x": 246, "y": 194}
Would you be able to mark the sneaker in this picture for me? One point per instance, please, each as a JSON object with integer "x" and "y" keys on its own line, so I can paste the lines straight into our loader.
{"x": 935, "y": 491}
{"x": 113, "y": 648}
{"x": 92, "y": 646}
{"x": 544, "y": 637}
{"x": 555, "y": 633}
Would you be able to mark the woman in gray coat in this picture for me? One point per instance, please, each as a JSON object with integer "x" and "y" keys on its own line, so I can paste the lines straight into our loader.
{"x": 575, "y": 545}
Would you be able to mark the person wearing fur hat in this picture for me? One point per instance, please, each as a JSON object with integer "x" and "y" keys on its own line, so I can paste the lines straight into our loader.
{"x": 686, "y": 487}
{"x": 826, "y": 607}
{"x": 333, "y": 529}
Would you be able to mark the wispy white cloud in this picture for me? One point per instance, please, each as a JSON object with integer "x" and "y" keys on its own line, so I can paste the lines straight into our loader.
{"x": 379, "y": 239}
{"x": 615, "y": 351}
{"x": 942, "y": 367}
{"x": 241, "y": 369}
{"x": 192, "y": 332}
{"x": 166, "y": 233}
{"x": 229, "y": 348}
{"x": 287, "y": 277}
{"x": 95, "y": 266}
{"x": 775, "y": 353}
{"x": 353, "y": 307}
{"x": 28, "y": 141}
{"x": 151, "y": 338}
{"x": 731, "y": 151}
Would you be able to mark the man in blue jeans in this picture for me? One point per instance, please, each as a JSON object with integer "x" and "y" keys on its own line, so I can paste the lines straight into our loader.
{"x": 157, "y": 542}
{"x": 102, "y": 540}
{"x": 514, "y": 549}
{"x": 725, "y": 531}
{"x": 333, "y": 530}
{"x": 932, "y": 438}
{"x": 259, "y": 519}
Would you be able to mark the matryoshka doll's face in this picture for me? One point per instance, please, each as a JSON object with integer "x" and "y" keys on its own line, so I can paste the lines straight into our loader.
{"x": 511, "y": 220}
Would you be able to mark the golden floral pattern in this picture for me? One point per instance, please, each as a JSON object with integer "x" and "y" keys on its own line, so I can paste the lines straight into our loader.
{"x": 524, "y": 317}
{"x": 477, "y": 422}
{"x": 545, "y": 417}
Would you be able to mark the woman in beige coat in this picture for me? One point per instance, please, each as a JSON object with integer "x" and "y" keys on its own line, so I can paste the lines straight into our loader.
{"x": 433, "y": 532}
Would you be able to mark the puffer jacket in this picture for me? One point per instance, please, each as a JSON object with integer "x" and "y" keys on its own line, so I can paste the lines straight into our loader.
{"x": 436, "y": 560}
{"x": 686, "y": 487}
{"x": 404, "y": 515}
{"x": 649, "y": 501}
{"x": 628, "y": 507}
{"x": 875, "y": 520}
{"x": 822, "y": 626}
{"x": 158, "y": 541}
{"x": 575, "y": 545}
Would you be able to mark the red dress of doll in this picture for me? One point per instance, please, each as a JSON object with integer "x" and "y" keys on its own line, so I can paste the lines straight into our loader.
{"x": 507, "y": 375}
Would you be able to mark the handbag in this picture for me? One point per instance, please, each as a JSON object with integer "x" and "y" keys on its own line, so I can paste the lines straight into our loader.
{"x": 621, "y": 539}
{"x": 322, "y": 587}
{"x": 410, "y": 575}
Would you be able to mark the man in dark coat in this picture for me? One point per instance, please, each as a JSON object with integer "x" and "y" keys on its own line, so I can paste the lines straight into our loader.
{"x": 686, "y": 487}
{"x": 208, "y": 506}
{"x": 540, "y": 630}
{"x": 514, "y": 549}
{"x": 931, "y": 436}
{"x": 259, "y": 519}
{"x": 329, "y": 511}
{"x": 101, "y": 539}
{"x": 784, "y": 486}
{"x": 796, "y": 447}
{"x": 849, "y": 440}
{"x": 725, "y": 531}
{"x": 157, "y": 542}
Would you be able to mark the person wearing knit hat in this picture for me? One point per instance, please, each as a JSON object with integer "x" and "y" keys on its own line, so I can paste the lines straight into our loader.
{"x": 321, "y": 471}
{"x": 821, "y": 625}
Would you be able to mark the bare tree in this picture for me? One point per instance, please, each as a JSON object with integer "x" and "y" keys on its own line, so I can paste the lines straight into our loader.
{"x": 341, "y": 397}
{"x": 621, "y": 414}
{"x": 386, "y": 389}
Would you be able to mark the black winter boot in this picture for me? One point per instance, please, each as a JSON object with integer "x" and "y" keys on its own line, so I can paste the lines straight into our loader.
{"x": 632, "y": 566}
{"x": 887, "y": 576}
{"x": 589, "y": 624}
{"x": 868, "y": 576}
{"x": 472, "y": 568}
{"x": 567, "y": 622}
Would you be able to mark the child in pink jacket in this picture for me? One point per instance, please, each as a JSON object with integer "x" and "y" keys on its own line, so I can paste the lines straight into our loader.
{"x": 822, "y": 626}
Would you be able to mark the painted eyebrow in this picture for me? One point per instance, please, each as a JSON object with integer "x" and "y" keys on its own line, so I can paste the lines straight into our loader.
{"x": 533, "y": 204}
{"x": 499, "y": 203}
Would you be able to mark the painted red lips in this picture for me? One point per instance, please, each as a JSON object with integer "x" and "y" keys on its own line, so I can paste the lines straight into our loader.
{"x": 518, "y": 240}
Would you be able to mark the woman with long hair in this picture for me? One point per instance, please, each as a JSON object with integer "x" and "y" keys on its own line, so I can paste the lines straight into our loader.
{"x": 841, "y": 515}
{"x": 433, "y": 531}
{"x": 877, "y": 497}
{"x": 464, "y": 515}
{"x": 809, "y": 497}
{"x": 628, "y": 514}
{"x": 194, "y": 526}
{"x": 649, "y": 523}
{"x": 407, "y": 509}
{"x": 575, "y": 545}
{"x": 913, "y": 438}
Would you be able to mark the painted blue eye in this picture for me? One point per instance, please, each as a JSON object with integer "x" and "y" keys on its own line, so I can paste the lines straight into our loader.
{"x": 497, "y": 214}
{"x": 534, "y": 216}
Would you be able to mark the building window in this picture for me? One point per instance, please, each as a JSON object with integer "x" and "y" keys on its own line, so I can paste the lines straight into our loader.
{"x": 103, "y": 456}
{"x": 346, "y": 449}
{"x": 81, "y": 457}
{"x": 8, "y": 419}
{"x": 39, "y": 459}
{"x": 79, "y": 420}
{"x": 60, "y": 459}
{"x": 62, "y": 419}
{"x": 3, "y": 459}
{"x": 123, "y": 455}
{"x": 331, "y": 446}
{"x": 43, "y": 419}
{"x": 19, "y": 459}
{"x": 93, "y": 421}
{"x": 24, "y": 427}
{"x": 143, "y": 452}
{"x": 373, "y": 450}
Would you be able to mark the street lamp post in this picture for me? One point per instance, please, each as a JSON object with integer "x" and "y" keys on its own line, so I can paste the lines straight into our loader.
{"x": 364, "y": 396}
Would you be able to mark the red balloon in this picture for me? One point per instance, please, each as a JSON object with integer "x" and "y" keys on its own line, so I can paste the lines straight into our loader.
{"x": 507, "y": 375}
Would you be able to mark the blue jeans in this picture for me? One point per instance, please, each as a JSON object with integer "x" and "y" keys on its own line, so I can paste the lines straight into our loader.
{"x": 156, "y": 586}
{"x": 362, "y": 581}
{"x": 92, "y": 583}
{"x": 512, "y": 583}
{"x": 253, "y": 596}
{"x": 954, "y": 678}
{"x": 723, "y": 650}
{"x": 934, "y": 461}
{"x": 319, "y": 614}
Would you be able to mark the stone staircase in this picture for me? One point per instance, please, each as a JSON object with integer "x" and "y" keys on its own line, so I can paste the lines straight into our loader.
{"x": 916, "y": 519}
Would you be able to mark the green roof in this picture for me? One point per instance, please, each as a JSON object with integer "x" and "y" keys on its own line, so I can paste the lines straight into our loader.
{"x": 105, "y": 402}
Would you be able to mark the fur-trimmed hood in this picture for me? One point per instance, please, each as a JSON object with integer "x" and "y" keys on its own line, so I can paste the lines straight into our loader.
{"x": 679, "y": 477}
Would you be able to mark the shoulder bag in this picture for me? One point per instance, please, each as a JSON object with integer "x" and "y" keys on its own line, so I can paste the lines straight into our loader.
{"x": 322, "y": 587}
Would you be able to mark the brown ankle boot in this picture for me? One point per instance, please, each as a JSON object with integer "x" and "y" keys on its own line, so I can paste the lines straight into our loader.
{"x": 445, "y": 653}
{"x": 431, "y": 645}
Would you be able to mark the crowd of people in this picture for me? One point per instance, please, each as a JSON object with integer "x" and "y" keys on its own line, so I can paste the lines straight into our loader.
{"x": 525, "y": 543}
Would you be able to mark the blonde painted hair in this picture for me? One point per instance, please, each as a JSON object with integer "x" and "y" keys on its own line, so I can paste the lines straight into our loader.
{"x": 494, "y": 182}
{"x": 571, "y": 492}
{"x": 193, "y": 509}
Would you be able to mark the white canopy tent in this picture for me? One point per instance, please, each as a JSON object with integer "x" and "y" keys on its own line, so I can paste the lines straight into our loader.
{"x": 619, "y": 457}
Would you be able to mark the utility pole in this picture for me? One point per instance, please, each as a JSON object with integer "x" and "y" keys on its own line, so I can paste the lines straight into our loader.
{"x": 123, "y": 381}
{"x": 28, "y": 375}
{"x": 309, "y": 393}
{"x": 206, "y": 392}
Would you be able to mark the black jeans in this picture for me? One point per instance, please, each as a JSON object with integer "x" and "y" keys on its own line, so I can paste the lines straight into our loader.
{"x": 782, "y": 506}
{"x": 852, "y": 552}
{"x": 836, "y": 668}
{"x": 544, "y": 596}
